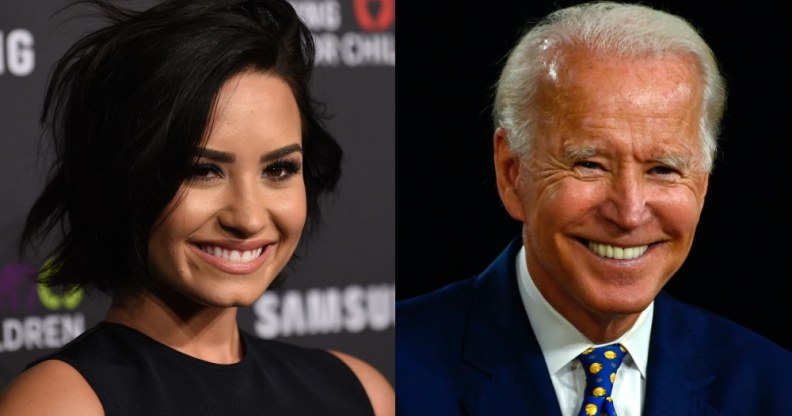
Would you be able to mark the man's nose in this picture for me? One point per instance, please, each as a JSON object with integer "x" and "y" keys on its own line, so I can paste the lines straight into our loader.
{"x": 627, "y": 202}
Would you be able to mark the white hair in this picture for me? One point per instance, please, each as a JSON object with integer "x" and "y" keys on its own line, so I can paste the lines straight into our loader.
{"x": 614, "y": 28}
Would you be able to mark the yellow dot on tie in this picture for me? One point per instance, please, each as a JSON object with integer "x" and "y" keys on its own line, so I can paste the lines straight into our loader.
{"x": 622, "y": 349}
{"x": 595, "y": 368}
{"x": 613, "y": 377}
{"x": 610, "y": 355}
{"x": 599, "y": 391}
{"x": 588, "y": 351}
{"x": 610, "y": 399}
{"x": 591, "y": 409}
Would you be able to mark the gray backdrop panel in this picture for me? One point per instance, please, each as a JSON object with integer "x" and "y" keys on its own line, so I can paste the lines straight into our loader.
{"x": 340, "y": 295}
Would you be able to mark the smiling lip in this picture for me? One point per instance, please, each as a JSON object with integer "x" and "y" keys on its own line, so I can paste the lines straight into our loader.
{"x": 242, "y": 258}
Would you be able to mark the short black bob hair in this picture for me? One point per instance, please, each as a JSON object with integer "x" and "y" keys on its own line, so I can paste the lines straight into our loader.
{"x": 127, "y": 108}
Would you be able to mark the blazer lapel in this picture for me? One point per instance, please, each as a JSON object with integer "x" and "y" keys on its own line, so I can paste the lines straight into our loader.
{"x": 501, "y": 345}
{"x": 677, "y": 369}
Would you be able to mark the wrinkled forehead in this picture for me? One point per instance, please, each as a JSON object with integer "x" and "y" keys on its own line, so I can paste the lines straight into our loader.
{"x": 579, "y": 81}
{"x": 570, "y": 63}
{"x": 655, "y": 100}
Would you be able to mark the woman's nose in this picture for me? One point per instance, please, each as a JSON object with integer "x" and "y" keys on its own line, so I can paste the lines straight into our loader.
{"x": 244, "y": 210}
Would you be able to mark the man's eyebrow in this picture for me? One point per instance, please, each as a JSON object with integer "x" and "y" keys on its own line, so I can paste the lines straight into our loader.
{"x": 279, "y": 153}
{"x": 575, "y": 153}
{"x": 678, "y": 162}
{"x": 227, "y": 157}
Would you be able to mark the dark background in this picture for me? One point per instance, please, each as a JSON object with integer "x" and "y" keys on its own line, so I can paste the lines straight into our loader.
{"x": 450, "y": 222}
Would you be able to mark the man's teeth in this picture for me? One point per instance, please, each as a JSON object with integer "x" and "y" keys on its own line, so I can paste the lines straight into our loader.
{"x": 234, "y": 256}
{"x": 618, "y": 253}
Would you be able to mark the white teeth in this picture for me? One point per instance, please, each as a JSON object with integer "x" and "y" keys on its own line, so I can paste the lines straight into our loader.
{"x": 234, "y": 256}
{"x": 618, "y": 253}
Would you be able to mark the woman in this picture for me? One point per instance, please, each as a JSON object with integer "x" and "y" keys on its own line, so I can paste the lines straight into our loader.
{"x": 189, "y": 161}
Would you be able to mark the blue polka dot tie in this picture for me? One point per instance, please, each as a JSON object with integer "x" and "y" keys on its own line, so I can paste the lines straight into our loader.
{"x": 600, "y": 365}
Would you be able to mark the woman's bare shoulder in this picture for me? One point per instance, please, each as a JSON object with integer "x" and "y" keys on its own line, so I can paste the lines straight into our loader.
{"x": 379, "y": 390}
{"x": 51, "y": 387}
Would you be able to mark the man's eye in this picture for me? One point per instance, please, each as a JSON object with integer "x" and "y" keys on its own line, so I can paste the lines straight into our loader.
{"x": 663, "y": 170}
{"x": 589, "y": 165}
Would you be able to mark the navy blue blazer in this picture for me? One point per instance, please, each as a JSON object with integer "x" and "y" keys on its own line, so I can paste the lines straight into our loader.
{"x": 468, "y": 349}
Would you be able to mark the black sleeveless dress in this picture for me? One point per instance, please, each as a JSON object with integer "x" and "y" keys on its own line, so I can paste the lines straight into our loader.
{"x": 135, "y": 375}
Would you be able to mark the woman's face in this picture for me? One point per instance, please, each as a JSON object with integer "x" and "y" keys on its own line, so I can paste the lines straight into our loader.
{"x": 237, "y": 220}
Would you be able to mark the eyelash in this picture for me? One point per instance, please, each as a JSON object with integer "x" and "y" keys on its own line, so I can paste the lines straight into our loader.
{"x": 201, "y": 171}
{"x": 664, "y": 170}
{"x": 277, "y": 171}
{"x": 285, "y": 168}
{"x": 587, "y": 164}
{"x": 659, "y": 170}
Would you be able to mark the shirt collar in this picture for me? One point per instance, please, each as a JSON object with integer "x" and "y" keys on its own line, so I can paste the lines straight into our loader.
{"x": 560, "y": 341}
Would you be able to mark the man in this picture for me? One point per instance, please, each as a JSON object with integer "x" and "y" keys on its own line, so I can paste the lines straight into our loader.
{"x": 607, "y": 118}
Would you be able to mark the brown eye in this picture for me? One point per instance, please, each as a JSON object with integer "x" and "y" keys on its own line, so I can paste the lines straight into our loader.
{"x": 282, "y": 170}
{"x": 205, "y": 172}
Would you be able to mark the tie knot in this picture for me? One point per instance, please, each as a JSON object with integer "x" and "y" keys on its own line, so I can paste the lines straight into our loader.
{"x": 600, "y": 365}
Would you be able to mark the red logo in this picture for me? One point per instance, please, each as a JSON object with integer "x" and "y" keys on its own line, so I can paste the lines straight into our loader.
{"x": 365, "y": 11}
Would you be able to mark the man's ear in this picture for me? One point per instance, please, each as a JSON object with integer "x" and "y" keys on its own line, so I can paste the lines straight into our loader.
{"x": 704, "y": 192}
{"x": 507, "y": 173}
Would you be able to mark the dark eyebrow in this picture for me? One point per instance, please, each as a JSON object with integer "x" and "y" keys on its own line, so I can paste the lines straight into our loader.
{"x": 216, "y": 155}
{"x": 226, "y": 157}
{"x": 279, "y": 153}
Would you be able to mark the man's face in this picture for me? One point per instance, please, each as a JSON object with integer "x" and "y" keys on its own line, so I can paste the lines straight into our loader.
{"x": 612, "y": 197}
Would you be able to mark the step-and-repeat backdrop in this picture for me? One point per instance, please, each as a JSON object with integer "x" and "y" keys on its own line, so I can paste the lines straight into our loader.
{"x": 340, "y": 295}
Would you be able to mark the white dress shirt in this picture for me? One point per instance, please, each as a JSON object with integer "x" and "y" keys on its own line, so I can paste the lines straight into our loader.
{"x": 561, "y": 343}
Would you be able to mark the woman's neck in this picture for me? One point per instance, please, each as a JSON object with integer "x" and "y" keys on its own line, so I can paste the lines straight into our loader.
{"x": 207, "y": 333}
